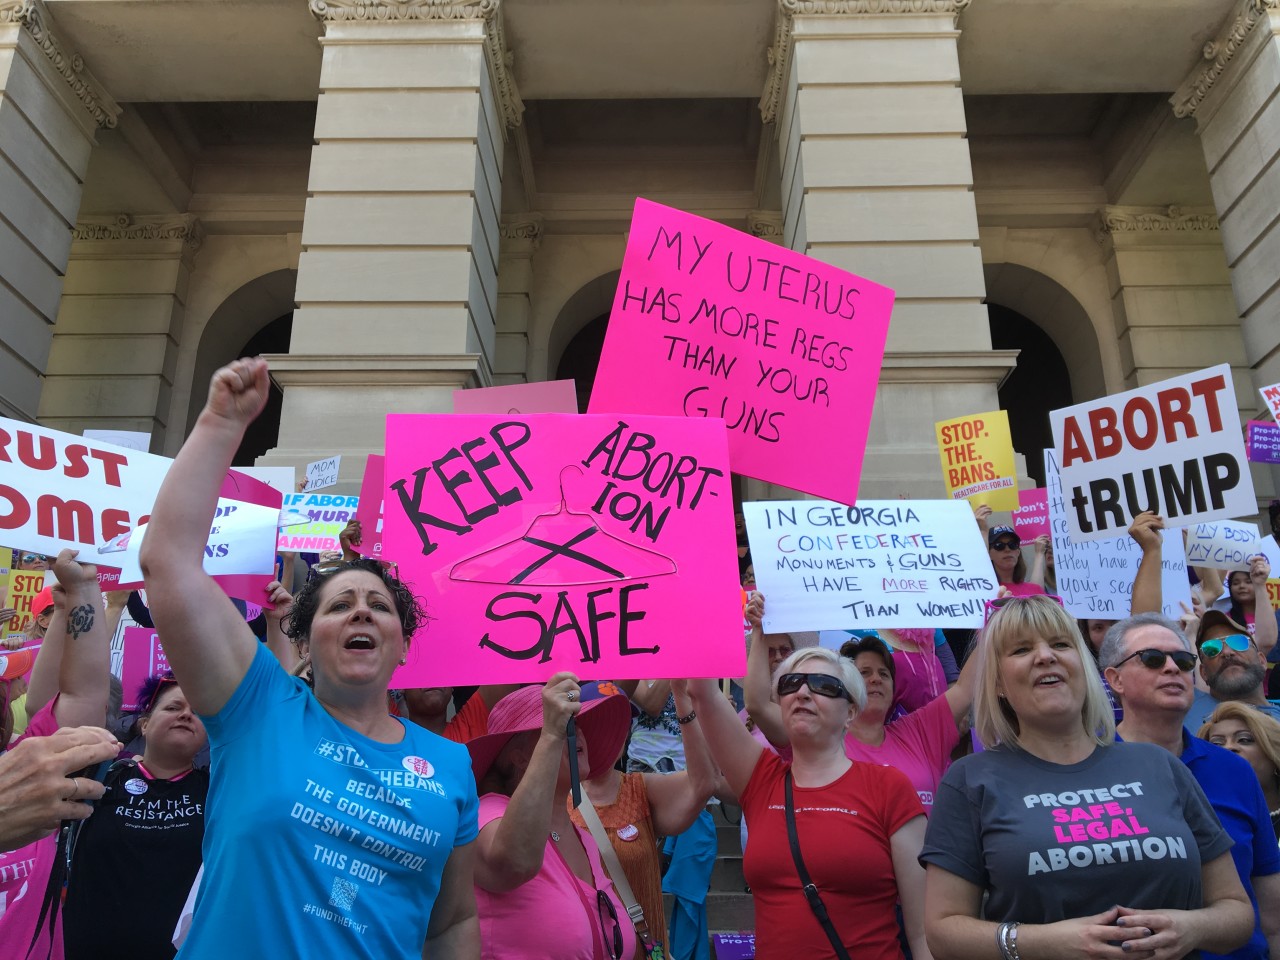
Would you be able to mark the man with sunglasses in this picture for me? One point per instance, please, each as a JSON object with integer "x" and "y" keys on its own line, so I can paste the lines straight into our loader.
{"x": 1232, "y": 666}
{"x": 1148, "y": 664}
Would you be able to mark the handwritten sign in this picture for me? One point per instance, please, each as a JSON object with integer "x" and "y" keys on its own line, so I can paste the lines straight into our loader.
{"x": 1269, "y": 548}
{"x": 1031, "y": 519}
{"x": 1173, "y": 447}
{"x": 1271, "y": 397}
{"x": 550, "y": 542}
{"x": 322, "y": 473}
{"x": 370, "y": 510}
{"x": 142, "y": 658}
{"x": 709, "y": 322}
{"x": 550, "y": 396}
{"x": 1262, "y": 444}
{"x": 977, "y": 459}
{"x": 882, "y": 563}
{"x": 326, "y": 514}
{"x": 58, "y": 490}
{"x": 1222, "y": 544}
{"x": 1095, "y": 578}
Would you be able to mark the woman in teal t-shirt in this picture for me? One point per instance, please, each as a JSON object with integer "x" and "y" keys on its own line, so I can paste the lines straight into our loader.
{"x": 333, "y": 829}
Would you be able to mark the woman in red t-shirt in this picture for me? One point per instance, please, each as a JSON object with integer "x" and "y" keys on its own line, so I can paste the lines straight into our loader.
{"x": 860, "y": 826}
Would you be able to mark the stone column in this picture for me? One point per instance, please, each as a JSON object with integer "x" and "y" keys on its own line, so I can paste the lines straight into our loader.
{"x": 521, "y": 235}
{"x": 876, "y": 179}
{"x": 115, "y": 346}
{"x": 50, "y": 111}
{"x": 1171, "y": 294}
{"x": 1233, "y": 98}
{"x": 397, "y": 280}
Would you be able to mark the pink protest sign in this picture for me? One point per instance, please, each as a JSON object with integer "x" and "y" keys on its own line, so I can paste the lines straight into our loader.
{"x": 1031, "y": 519}
{"x": 551, "y": 396}
{"x": 142, "y": 658}
{"x": 550, "y": 542}
{"x": 711, "y": 322}
{"x": 369, "y": 512}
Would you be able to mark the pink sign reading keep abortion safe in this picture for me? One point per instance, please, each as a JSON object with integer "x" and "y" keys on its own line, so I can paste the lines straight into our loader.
{"x": 548, "y": 542}
{"x": 711, "y": 322}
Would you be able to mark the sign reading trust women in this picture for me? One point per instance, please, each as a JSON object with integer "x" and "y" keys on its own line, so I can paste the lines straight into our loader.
{"x": 547, "y": 542}
{"x": 710, "y": 322}
{"x": 1173, "y": 447}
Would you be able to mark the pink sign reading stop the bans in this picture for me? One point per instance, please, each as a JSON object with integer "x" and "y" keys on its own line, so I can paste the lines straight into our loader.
{"x": 547, "y": 542}
{"x": 711, "y": 322}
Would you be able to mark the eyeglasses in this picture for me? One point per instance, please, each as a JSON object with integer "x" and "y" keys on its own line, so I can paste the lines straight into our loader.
{"x": 1153, "y": 659}
{"x": 155, "y": 694}
{"x": 1003, "y": 545}
{"x": 33, "y": 558}
{"x": 992, "y": 606}
{"x": 326, "y": 567}
{"x": 605, "y": 905}
{"x": 822, "y": 684}
{"x": 1238, "y": 642}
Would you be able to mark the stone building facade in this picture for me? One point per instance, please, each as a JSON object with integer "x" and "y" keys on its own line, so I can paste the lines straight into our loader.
{"x": 398, "y": 198}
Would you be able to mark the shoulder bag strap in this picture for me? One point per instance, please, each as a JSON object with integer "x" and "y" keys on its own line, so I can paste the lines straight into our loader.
{"x": 611, "y": 863}
{"x": 810, "y": 889}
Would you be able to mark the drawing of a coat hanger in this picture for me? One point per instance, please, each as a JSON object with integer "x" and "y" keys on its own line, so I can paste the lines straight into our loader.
{"x": 563, "y": 548}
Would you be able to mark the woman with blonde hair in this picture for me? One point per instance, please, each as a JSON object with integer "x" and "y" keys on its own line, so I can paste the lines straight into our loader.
{"x": 1255, "y": 737}
{"x": 1054, "y": 822}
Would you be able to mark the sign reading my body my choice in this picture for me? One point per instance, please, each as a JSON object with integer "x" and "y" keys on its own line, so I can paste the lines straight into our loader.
{"x": 1174, "y": 447}
{"x": 1095, "y": 578}
{"x": 710, "y": 322}
{"x": 882, "y": 563}
{"x": 550, "y": 542}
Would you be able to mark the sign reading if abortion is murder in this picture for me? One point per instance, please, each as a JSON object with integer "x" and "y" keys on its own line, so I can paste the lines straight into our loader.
{"x": 1174, "y": 448}
{"x": 882, "y": 563}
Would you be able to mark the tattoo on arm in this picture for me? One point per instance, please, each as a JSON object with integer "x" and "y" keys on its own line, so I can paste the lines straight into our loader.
{"x": 79, "y": 620}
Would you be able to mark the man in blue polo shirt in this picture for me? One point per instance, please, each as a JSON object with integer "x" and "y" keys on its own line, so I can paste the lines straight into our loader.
{"x": 1149, "y": 663}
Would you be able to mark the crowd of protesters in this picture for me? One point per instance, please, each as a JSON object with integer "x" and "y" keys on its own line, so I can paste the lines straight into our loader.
{"x": 1045, "y": 789}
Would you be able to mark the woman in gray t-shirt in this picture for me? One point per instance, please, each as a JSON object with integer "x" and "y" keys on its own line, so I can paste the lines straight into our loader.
{"x": 1080, "y": 844}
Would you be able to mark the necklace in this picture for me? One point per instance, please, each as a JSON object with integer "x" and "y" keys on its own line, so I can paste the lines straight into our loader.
{"x": 555, "y": 836}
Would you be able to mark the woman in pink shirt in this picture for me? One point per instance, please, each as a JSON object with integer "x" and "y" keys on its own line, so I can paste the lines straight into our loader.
{"x": 919, "y": 744}
{"x": 540, "y": 888}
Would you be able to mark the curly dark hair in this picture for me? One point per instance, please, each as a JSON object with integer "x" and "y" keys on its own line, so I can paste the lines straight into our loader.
{"x": 409, "y": 607}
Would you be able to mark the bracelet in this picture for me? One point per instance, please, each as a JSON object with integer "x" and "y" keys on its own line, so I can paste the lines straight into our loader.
{"x": 693, "y": 715}
{"x": 1002, "y": 933}
{"x": 1013, "y": 940}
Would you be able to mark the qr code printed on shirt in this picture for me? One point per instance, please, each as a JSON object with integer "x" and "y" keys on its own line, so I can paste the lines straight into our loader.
{"x": 343, "y": 894}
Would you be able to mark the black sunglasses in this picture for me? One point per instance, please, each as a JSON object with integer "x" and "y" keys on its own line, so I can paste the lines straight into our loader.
{"x": 822, "y": 684}
{"x": 605, "y": 905}
{"x": 1184, "y": 660}
{"x": 1002, "y": 545}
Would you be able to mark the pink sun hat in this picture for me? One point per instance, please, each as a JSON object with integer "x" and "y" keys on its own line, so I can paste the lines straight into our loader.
{"x": 604, "y": 724}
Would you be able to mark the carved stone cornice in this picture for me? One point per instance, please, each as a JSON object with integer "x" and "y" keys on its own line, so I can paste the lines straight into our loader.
{"x": 499, "y": 57}
{"x": 1219, "y": 52}
{"x": 1152, "y": 220}
{"x": 766, "y": 224}
{"x": 123, "y": 227}
{"x": 34, "y": 18}
{"x": 527, "y": 226}
{"x": 780, "y": 52}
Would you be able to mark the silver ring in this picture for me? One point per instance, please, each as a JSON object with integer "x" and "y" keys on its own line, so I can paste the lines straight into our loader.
{"x": 571, "y": 695}
{"x": 75, "y": 788}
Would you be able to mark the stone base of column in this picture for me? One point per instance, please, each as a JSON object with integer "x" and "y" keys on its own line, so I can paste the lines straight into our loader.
{"x": 338, "y": 404}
